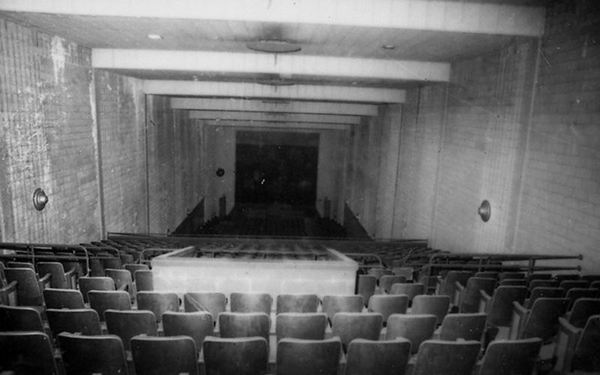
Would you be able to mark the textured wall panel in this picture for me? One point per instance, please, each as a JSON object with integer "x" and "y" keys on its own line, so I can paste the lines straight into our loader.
{"x": 560, "y": 210}
{"x": 47, "y": 136}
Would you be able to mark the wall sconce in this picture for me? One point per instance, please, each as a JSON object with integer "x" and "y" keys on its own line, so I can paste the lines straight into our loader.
{"x": 485, "y": 210}
{"x": 40, "y": 199}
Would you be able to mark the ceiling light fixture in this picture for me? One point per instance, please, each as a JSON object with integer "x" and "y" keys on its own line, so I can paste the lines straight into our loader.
{"x": 388, "y": 46}
{"x": 274, "y": 46}
{"x": 154, "y": 36}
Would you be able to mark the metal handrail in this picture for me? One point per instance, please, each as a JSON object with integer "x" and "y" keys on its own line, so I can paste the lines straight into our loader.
{"x": 365, "y": 255}
{"x": 485, "y": 261}
{"x": 27, "y": 251}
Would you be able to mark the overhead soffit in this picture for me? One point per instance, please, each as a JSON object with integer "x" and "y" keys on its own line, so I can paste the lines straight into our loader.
{"x": 232, "y": 36}
{"x": 350, "y": 33}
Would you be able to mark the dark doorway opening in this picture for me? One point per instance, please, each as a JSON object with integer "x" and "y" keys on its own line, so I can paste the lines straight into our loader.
{"x": 276, "y": 167}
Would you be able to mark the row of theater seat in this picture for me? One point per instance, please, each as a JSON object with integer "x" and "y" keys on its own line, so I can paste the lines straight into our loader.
{"x": 128, "y": 325}
{"x": 30, "y": 352}
{"x": 359, "y": 300}
{"x": 413, "y": 327}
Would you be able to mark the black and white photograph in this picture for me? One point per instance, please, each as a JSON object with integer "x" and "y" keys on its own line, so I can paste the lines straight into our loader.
{"x": 299, "y": 187}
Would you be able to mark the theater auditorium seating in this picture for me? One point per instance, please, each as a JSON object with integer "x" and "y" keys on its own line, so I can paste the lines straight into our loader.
{"x": 290, "y": 333}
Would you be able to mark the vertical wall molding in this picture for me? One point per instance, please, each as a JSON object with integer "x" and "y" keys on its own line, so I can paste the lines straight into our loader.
{"x": 436, "y": 188}
{"x": 525, "y": 155}
{"x": 146, "y": 163}
{"x": 397, "y": 179}
{"x": 94, "y": 95}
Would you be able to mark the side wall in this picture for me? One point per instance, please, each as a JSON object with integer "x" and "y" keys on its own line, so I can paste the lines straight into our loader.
{"x": 81, "y": 135}
{"x": 481, "y": 150}
{"x": 120, "y": 115}
{"x": 420, "y": 153}
{"x": 463, "y": 143}
{"x": 175, "y": 176}
{"x": 331, "y": 172}
{"x": 47, "y": 138}
{"x": 518, "y": 128}
{"x": 560, "y": 199}
{"x": 371, "y": 171}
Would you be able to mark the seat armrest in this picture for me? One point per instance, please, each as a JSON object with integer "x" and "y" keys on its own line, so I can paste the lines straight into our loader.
{"x": 71, "y": 277}
{"x": 567, "y": 327}
{"x": 459, "y": 286}
{"x": 484, "y": 301}
{"x": 457, "y": 293}
{"x": 519, "y": 316}
{"x": 519, "y": 309}
{"x": 123, "y": 287}
{"x": 566, "y": 342}
{"x": 8, "y": 294}
{"x": 45, "y": 281}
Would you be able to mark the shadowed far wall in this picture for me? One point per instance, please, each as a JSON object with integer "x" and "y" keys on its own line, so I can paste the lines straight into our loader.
{"x": 175, "y": 176}
{"x": 121, "y": 119}
{"x": 276, "y": 167}
{"x": 219, "y": 151}
{"x": 371, "y": 171}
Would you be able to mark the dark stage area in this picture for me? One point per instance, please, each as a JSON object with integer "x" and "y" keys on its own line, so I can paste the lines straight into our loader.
{"x": 276, "y": 168}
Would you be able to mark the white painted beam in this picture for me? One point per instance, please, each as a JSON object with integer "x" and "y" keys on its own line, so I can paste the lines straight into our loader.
{"x": 275, "y": 117}
{"x": 253, "y": 90}
{"x": 277, "y": 125}
{"x": 219, "y": 104}
{"x": 294, "y": 65}
{"x": 453, "y": 16}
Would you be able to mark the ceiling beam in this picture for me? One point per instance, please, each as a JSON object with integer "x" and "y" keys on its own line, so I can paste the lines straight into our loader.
{"x": 254, "y": 90}
{"x": 436, "y": 15}
{"x": 277, "y": 125}
{"x": 286, "y": 65}
{"x": 219, "y": 104}
{"x": 275, "y": 117}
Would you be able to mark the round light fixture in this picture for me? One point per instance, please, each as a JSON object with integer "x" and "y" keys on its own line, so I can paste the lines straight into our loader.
{"x": 274, "y": 46}
{"x": 40, "y": 199}
{"x": 485, "y": 210}
{"x": 388, "y": 46}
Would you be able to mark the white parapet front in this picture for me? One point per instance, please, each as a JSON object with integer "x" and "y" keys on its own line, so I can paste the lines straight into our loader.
{"x": 185, "y": 271}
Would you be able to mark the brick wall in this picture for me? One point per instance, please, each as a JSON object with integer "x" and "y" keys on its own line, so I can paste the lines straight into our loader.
{"x": 46, "y": 138}
{"x": 529, "y": 147}
{"x": 418, "y": 162}
{"x": 79, "y": 134}
{"x": 174, "y": 170}
{"x": 120, "y": 113}
{"x": 462, "y": 143}
{"x": 560, "y": 207}
{"x": 480, "y": 150}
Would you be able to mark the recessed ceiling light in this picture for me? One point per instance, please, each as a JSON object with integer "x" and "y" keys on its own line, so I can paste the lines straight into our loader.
{"x": 274, "y": 46}
{"x": 388, "y": 46}
{"x": 154, "y": 36}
